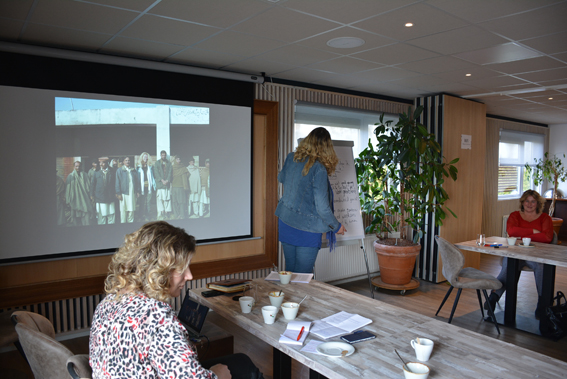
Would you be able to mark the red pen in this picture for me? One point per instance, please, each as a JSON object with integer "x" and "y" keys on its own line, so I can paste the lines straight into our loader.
{"x": 300, "y": 332}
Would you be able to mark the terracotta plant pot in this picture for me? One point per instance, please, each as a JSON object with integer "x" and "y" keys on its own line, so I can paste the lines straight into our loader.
{"x": 396, "y": 262}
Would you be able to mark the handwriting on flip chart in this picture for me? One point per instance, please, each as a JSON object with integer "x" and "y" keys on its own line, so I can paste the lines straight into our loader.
{"x": 345, "y": 191}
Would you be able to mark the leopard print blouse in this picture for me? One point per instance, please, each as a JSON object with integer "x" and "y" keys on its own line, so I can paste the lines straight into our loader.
{"x": 139, "y": 337}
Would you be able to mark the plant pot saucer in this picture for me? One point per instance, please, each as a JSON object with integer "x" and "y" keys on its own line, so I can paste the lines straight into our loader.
{"x": 413, "y": 284}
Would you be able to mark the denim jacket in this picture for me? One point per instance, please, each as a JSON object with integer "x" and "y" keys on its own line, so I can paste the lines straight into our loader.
{"x": 306, "y": 202}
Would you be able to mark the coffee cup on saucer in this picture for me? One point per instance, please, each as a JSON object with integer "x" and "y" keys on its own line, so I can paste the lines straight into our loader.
{"x": 526, "y": 241}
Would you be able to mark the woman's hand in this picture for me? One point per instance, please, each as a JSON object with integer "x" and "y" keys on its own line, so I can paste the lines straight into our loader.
{"x": 536, "y": 231}
{"x": 342, "y": 230}
{"x": 222, "y": 371}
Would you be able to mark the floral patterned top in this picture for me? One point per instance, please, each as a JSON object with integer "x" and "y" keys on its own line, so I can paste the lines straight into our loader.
{"x": 140, "y": 337}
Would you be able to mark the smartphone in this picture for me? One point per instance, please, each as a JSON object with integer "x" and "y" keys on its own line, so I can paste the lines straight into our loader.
{"x": 361, "y": 335}
{"x": 212, "y": 293}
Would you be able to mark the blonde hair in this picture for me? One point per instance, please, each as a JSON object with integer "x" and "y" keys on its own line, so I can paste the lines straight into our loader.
{"x": 317, "y": 146}
{"x": 147, "y": 258}
{"x": 537, "y": 197}
{"x": 150, "y": 161}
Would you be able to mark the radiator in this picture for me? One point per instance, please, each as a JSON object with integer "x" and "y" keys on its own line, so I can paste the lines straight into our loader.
{"x": 504, "y": 222}
{"x": 73, "y": 317}
{"x": 345, "y": 262}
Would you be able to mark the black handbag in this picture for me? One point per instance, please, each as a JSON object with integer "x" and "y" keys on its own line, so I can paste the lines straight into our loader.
{"x": 556, "y": 317}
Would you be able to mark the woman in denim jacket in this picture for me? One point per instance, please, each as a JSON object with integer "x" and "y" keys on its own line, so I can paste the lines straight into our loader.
{"x": 306, "y": 209}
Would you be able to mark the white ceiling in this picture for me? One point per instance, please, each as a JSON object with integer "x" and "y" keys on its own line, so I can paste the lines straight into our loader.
{"x": 515, "y": 50}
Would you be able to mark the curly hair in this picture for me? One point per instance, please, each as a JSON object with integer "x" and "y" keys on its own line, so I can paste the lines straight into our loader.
{"x": 147, "y": 258}
{"x": 150, "y": 161}
{"x": 317, "y": 146}
{"x": 537, "y": 197}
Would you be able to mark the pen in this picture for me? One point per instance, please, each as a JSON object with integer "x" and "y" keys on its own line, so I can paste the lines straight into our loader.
{"x": 300, "y": 332}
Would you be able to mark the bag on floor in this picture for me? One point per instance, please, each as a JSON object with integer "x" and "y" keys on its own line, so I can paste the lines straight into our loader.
{"x": 556, "y": 317}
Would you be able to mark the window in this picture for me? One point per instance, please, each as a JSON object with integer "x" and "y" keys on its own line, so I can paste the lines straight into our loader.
{"x": 514, "y": 151}
{"x": 343, "y": 124}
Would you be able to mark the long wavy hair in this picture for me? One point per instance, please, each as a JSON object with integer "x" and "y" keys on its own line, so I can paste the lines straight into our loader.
{"x": 537, "y": 197}
{"x": 317, "y": 146}
{"x": 146, "y": 260}
{"x": 150, "y": 161}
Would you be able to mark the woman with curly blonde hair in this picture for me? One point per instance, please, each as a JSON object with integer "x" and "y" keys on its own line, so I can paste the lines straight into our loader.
{"x": 135, "y": 333}
{"x": 305, "y": 210}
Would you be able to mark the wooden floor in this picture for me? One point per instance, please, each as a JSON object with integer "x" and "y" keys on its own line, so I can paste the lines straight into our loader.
{"x": 425, "y": 300}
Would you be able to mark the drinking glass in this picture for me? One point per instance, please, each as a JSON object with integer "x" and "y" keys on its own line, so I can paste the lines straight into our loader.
{"x": 480, "y": 239}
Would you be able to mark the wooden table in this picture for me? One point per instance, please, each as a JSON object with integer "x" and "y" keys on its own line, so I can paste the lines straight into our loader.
{"x": 458, "y": 353}
{"x": 549, "y": 255}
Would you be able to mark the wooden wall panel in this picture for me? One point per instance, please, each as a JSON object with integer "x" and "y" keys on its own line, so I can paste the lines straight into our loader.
{"x": 494, "y": 209}
{"x": 466, "y": 194}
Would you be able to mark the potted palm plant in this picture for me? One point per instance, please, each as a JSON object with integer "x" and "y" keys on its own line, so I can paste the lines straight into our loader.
{"x": 401, "y": 181}
{"x": 552, "y": 170}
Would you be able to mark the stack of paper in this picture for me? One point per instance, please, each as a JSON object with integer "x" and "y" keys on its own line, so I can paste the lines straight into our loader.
{"x": 339, "y": 324}
{"x": 296, "y": 332}
{"x": 295, "y": 277}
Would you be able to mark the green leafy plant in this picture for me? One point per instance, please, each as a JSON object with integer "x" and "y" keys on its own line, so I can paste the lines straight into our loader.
{"x": 550, "y": 169}
{"x": 401, "y": 178}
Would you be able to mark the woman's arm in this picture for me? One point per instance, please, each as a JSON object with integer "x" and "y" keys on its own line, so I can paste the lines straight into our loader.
{"x": 171, "y": 355}
{"x": 516, "y": 226}
{"x": 322, "y": 204}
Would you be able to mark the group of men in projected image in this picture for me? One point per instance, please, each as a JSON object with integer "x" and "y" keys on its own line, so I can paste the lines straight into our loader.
{"x": 117, "y": 190}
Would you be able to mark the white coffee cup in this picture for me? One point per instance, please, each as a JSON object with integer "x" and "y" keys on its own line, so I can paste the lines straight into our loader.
{"x": 246, "y": 303}
{"x": 285, "y": 277}
{"x": 422, "y": 349}
{"x": 269, "y": 312}
{"x": 511, "y": 241}
{"x": 290, "y": 310}
{"x": 526, "y": 241}
{"x": 276, "y": 298}
{"x": 418, "y": 371}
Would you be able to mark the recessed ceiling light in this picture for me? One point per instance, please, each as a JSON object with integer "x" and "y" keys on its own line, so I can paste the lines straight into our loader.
{"x": 409, "y": 25}
{"x": 345, "y": 42}
{"x": 468, "y": 74}
{"x": 551, "y": 98}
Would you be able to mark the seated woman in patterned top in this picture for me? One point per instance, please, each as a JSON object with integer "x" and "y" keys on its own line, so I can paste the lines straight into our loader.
{"x": 135, "y": 333}
{"x": 529, "y": 222}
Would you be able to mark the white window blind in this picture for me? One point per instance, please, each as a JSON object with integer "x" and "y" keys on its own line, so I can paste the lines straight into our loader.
{"x": 519, "y": 148}
{"x": 514, "y": 151}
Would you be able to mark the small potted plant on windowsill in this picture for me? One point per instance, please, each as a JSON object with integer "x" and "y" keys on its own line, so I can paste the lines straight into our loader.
{"x": 400, "y": 183}
{"x": 552, "y": 170}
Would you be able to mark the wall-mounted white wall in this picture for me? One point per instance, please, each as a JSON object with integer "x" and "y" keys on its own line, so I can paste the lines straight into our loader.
{"x": 558, "y": 146}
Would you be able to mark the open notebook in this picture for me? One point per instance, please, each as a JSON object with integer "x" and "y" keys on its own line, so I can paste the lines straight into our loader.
{"x": 192, "y": 315}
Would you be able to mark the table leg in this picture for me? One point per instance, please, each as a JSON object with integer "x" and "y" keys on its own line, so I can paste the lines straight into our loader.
{"x": 282, "y": 365}
{"x": 512, "y": 275}
{"x": 548, "y": 288}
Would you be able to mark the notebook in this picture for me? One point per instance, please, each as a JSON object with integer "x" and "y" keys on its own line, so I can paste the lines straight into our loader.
{"x": 192, "y": 315}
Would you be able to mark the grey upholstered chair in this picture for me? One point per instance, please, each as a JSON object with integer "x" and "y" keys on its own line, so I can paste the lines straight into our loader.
{"x": 33, "y": 321}
{"x": 468, "y": 277}
{"x": 78, "y": 366}
{"x": 47, "y": 357}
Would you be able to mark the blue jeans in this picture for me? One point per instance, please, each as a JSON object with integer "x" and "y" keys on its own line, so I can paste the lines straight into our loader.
{"x": 298, "y": 258}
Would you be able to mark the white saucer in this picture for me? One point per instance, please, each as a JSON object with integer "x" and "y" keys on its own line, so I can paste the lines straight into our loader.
{"x": 522, "y": 245}
{"x": 335, "y": 349}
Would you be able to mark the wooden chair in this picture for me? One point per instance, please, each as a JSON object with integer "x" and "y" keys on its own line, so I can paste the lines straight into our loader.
{"x": 468, "y": 277}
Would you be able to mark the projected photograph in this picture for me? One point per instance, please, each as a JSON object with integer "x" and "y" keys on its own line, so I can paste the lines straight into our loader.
{"x": 116, "y": 162}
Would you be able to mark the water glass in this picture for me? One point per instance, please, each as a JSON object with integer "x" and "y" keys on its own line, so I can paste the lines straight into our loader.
{"x": 480, "y": 240}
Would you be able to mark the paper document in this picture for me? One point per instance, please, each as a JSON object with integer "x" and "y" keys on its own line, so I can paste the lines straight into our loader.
{"x": 311, "y": 347}
{"x": 339, "y": 324}
{"x": 295, "y": 277}
{"x": 296, "y": 332}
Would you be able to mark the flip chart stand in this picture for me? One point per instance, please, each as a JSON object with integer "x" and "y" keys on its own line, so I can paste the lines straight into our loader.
{"x": 367, "y": 267}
